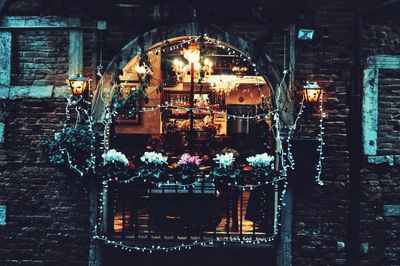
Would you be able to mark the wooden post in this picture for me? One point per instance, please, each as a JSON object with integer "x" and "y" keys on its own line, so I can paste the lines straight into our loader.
{"x": 284, "y": 256}
{"x": 94, "y": 245}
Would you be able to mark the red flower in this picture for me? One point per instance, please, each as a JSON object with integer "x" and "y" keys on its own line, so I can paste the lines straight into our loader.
{"x": 131, "y": 165}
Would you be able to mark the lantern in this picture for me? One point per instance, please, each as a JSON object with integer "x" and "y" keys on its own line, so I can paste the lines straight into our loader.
{"x": 311, "y": 91}
{"x": 78, "y": 84}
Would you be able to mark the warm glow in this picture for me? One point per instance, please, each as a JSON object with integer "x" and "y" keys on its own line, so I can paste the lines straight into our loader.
{"x": 192, "y": 54}
{"x": 239, "y": 71}
{"x": 312, "y": 91}
{"x": 78, "y": 84}
{"x": 225, "y": 84}
{"x": 140, "y": 69}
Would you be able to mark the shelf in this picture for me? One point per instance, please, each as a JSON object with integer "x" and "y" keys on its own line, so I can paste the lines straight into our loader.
{"x": 194, "y": 113}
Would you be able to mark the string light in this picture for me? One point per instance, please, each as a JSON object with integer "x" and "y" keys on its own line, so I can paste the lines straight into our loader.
{"x": 200, "y": 180}
{"x": 283, "y": 173}
{"x": 210, "y": 109}
{"x": 183, "y": 246}
{"x": 321, "y": 142}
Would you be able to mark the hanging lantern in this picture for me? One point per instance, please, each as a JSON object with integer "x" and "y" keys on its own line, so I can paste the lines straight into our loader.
{"x": 311, "y": 91}
{"x": 78, "y": 84}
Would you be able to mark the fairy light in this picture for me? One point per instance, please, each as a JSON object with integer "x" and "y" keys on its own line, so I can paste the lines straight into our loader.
{"x": 221, "y": 240}
{"x": 108, "y": 120}
{"x": 183, "y": 246}
{"x": 197, "y": 108}
{"x": 321, "y": 142}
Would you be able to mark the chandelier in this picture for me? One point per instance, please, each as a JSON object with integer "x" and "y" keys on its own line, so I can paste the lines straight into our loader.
{"x": 141, "y": 69}
{"x": 192, "y": 55}
{"x": 239, "y": 68}
{"x": 224, "y": 85}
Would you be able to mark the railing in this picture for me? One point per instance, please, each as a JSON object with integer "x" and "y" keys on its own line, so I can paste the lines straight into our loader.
{"x": 206, "y": 210}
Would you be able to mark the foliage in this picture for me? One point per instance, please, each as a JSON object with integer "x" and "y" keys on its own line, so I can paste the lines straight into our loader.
{"x": 225, "y": 172}
{"x": 188, "y": 168}
{"x": 73, "y": 146}
{"x": 154, "y": 167}
{"x": 263, "y": 166}
{"x": 115, "y": 165}
{"x": 129, "y": 105}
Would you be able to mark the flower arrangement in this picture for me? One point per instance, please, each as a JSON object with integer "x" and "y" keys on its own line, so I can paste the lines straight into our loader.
{"x": 187, "y": 159}
{"x": 224, "y": 160}
{"x": 187, "y": 168}
{"x": 115, "y": 164}
{"x": 153, "y": 168}
{"x": 113, "y": 156}
{"x": 262, "y": 164}
{"x": 153, "y": 158}
{"x": 225, "y": 172}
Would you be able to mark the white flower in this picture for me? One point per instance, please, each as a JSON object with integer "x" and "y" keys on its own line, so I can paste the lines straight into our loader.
{"x": 224, "y": 160}
{"x": 57, "y": 136}
{"x": 261, "y": 160}
{"x": 154, "y": 158}
{"x": 113, "y": 156}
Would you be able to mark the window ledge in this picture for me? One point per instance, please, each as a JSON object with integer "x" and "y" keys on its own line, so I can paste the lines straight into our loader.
{"x": 382, "y": 159}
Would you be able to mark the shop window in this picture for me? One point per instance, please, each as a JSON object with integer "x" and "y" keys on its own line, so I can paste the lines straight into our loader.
{"x": 227, "y": 108}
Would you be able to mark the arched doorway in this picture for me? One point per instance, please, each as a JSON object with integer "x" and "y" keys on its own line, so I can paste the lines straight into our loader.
{"x": 189, "y": 109}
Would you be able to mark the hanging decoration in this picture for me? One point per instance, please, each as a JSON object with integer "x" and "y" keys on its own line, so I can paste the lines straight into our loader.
{"x": 75, "y": 145}
{"x": 224, "y": 85}
{"x": 127, "y": 99}
{"x": 78, "y": 148}
{"x": 195, "y": 56}
{"x": 239, "y": 68}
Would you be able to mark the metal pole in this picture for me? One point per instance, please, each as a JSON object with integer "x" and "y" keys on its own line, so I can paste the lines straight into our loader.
{"x": 191, "y": 101}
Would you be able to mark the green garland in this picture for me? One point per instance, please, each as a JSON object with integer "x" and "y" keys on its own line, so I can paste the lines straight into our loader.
{"x": 129, "y": 106}
{"x": 74, "y": 147}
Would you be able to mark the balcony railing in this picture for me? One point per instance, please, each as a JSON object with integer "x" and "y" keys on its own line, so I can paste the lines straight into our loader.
{"x": 207, "y": 210}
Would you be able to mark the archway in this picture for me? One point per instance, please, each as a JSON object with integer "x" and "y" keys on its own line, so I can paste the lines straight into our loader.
{"x": 158, "y": 37}
{"x": 154, "y": 42}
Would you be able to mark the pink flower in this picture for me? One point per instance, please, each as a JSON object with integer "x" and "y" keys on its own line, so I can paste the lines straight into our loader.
{"x": 186, "y": 158}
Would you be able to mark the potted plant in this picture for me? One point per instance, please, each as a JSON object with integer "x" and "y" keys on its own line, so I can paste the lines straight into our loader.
{"x": 225, "y": 172}
{"x": 187, "y": 168}
{"x": 153, "y": 168}
{"x": 115, "y": 164}
{"x": 263, "y": 167}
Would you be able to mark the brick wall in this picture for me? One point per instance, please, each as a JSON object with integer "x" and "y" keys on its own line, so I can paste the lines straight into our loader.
{"x": 47, "y": 209}
{"x": 48, "y": 213}
{"x": 39, "y": 57}
{"x": 320, "y": 212}
{"x": 380, "y": 183}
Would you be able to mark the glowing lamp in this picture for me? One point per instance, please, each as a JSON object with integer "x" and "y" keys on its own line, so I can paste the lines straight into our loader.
{"x": 311, "y": 91}
{"x": 78, "y": 84}
{"x": 192, "y": 54}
